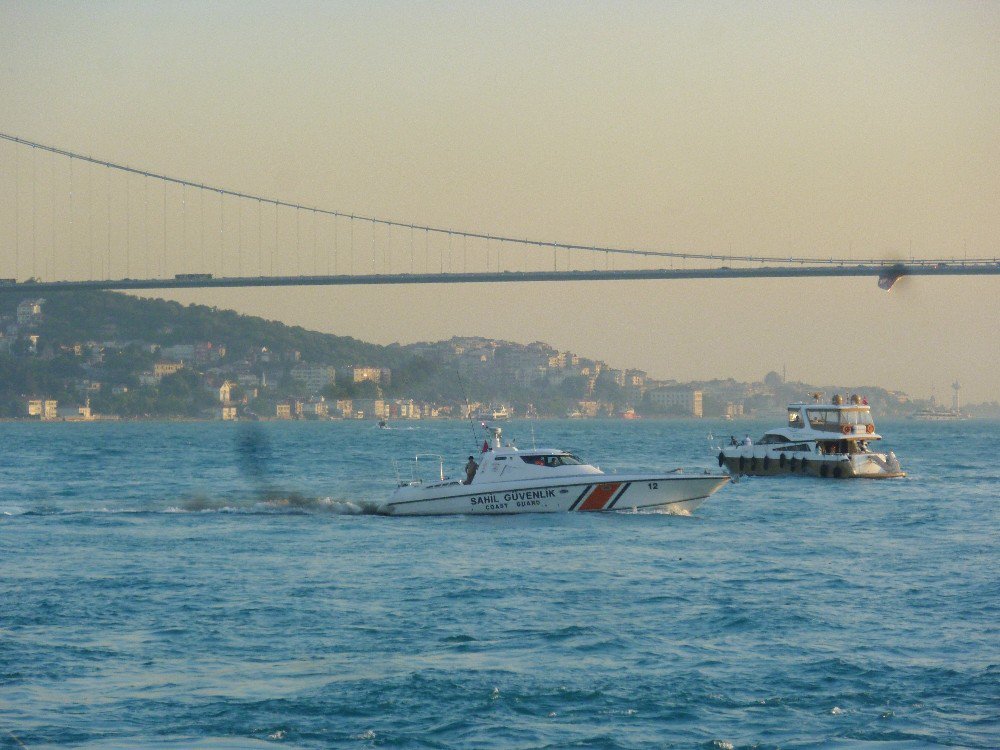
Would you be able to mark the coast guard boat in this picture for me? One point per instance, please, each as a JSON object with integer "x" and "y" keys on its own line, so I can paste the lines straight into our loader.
{"x": 509, "y": 480}
{"x": 821, "y": 440}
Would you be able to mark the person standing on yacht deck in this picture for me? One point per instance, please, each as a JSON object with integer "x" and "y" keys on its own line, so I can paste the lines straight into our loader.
{"x": 747, "y": 441}
{"x": 470, "y": 470}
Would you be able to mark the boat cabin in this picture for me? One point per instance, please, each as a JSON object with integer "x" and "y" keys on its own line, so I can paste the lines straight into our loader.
{"x": 854, "y": 418}
{"x": 508, "y": 463}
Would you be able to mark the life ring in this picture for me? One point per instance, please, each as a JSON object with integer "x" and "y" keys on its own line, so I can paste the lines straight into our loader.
{"x": 845, "y": 429}
{"x": 870, "y": 429}
{"x": 722, "y": 458}
{"x": 767, "y": 463}
{"x": 781, "y": 461}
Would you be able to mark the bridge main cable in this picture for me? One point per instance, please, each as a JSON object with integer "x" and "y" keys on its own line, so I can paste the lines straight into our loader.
{"x": 481, "y": 235}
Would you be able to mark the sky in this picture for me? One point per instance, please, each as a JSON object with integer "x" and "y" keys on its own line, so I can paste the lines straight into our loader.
{"x": 818, "y": 129}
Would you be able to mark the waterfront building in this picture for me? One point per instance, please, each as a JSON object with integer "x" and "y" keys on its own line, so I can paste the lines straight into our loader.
{"x": 686, "y": 401}
{"x": 732, "y": 410}
{"x": 404, "y": 409}
{"x": 75, "y": 413}
{"x": 316, "y": 409}
{"x": 43, "y": 408}
{"x": 371, "y": 408}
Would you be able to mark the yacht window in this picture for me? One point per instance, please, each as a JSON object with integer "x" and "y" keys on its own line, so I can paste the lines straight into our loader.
{"x": 771, "y": 439}
{"x": 821, "y": 417}
{"x": 856, "y": 416}
{"x": 795, "y": 418}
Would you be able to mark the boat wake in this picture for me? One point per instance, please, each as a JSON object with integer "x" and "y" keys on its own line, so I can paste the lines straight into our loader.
{"x": 290, "y": 503}
{"x": 665, "y": 510}
{"x": 277, "y": 504}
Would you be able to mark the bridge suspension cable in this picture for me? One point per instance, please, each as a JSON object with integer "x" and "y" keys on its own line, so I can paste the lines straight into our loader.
{"x": 389, "y": 224}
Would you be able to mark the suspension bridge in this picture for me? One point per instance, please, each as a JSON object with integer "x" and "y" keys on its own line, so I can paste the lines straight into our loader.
{"x": 70, "y": 221}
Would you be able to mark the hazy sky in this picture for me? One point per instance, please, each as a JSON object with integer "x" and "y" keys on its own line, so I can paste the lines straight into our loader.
{"x": 820, "y": 129}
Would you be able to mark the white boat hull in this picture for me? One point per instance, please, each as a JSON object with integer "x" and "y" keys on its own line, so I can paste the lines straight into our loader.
{"x": 592, "y": 493}
{"x": 761, "y": 461}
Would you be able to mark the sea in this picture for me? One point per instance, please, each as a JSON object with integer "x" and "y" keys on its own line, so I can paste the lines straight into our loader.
{"x": 228, "y": 585}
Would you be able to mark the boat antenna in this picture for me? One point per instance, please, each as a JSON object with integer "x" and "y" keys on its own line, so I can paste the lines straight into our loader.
{"x": 533, "y": 446}
{"x": 468, "y": 409}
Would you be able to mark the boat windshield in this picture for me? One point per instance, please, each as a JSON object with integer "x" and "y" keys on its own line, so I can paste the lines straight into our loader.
{"x": 564, "y": 459}
{"x": 820, "y": 418}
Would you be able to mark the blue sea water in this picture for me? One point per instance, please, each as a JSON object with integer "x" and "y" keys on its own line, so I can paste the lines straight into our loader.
{"x": 174, "y": 585}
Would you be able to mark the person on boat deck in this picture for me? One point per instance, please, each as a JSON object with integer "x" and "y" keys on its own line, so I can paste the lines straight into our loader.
{"x": 747, "y": 441}
{"x": 470, "y": 470}
{"x": 732, "y": 440}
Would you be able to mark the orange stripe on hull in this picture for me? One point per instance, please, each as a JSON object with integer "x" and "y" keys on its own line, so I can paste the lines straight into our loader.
{"x": 599, "y": 497}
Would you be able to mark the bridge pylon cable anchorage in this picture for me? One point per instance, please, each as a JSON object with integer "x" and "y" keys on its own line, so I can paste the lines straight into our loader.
{"x": 884, "y": 267}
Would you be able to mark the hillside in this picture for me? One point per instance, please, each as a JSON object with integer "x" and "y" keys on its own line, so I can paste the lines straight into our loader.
{"x": 136, "y": 357}
{"x": 100, "y": 316}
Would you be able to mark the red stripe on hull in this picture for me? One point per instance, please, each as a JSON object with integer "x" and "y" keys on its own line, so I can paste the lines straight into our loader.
{"x": 600, "y": 496}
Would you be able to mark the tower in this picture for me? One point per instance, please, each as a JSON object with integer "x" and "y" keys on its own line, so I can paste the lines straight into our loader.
{"x": 954, "y": 399}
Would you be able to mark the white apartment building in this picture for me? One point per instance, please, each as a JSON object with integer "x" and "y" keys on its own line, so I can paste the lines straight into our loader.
{"x": 685, "y": 401}
{"x": 315, "y": 377}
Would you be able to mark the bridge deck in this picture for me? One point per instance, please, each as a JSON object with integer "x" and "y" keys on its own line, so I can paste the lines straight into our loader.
{"x": 883, "y": 272}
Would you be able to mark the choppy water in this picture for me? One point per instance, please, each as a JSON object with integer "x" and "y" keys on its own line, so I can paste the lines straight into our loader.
{"x": 219, "y": 586}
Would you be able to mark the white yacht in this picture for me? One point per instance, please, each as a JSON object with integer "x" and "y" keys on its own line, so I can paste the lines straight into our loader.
{"x": 509, "y": 480}
{"x": 824, "y": 440}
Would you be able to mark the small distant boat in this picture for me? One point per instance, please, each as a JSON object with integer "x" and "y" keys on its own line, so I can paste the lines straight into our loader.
{"x": 937, "y": 415}
{"x": 509, "y": 480}
{"x": 493, "y": 414}
{"x": 823, "y": 440}
{"x": 383, "y": 424}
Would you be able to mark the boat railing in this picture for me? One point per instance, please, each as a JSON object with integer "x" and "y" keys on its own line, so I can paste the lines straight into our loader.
{"x": 416, "y": 478}
{"x": 844, "y": 428}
